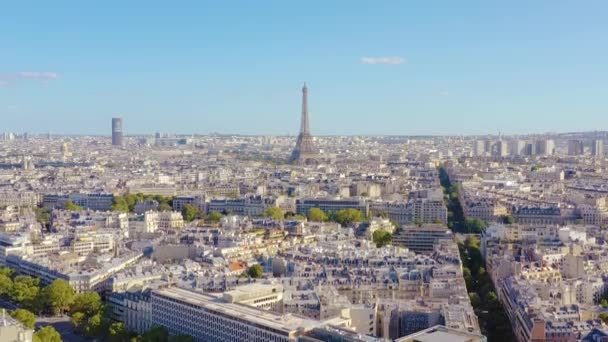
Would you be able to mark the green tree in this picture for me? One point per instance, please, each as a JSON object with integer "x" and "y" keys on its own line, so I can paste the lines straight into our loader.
{"x": 298, "y": 217}
{"x": 604, "y": 303}
{"x": 93, "y": 327}
{"x": 382, "y": 238}
{"x": 604, "y": 317}
{"x": 345, "y": 217}
{"x": 275, "y": 213}
{"x": 89, "y": 303}
{"x": 190, "y": 213}
{"x": 317, "y": 215}
{"x": 7, "y": 271}
{"x": 214, "y": 217}
{"x": 475, "y": 225}
{"x": 156, "y": 334}
{"x": 491, "y": 297}
{"x": 118, "y": 333}
{"x": 25, "y": 288}
{"x": 59, "y": 296}
{"x": 255, "y": 271}
{"x": 71, "y": 206}
{"x": 508, "y": 219}
{"x": 130, "y": 200}
{"x": 79, "y": 320}
{"x": 6, "y": 285}
{"x": 43, "y": 215}
{"x": 165, "y": 207}
{"x": 120, "y": 204}
{"x": 475, "y": 299}
{"x": 47, "y": 334}
{"x": 27, "y": 318}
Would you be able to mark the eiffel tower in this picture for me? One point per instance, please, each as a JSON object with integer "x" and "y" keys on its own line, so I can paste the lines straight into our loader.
{"x": 305, "y": 152}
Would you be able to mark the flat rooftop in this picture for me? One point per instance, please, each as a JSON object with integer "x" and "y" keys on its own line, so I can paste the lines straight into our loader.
{"x": 287, "y": 323}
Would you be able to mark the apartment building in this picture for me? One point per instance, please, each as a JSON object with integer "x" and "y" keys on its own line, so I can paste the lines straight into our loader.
{"x": 421, "y": 239}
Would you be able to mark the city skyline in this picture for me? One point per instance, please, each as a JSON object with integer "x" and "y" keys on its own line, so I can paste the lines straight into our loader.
{"x": 381, "y": 69}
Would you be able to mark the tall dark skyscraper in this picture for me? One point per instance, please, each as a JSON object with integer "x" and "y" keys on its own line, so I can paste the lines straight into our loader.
{"x": 117, "y": 131}
{"x": 305, "y": 152}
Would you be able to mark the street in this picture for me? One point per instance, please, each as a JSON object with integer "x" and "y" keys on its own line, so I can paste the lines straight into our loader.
{"x": 62, "y": 325}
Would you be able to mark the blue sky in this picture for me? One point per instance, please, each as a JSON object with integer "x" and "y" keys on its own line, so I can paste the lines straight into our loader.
{"x": 373, "y": 67}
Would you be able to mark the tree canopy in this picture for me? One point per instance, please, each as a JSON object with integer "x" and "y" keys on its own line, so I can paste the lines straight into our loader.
{"x": 27, "y": 318}
{"x": 47, "y": 334}
{"x": 317, "y": 215}
{"x": 255, "y": 271}
{"x": 475, "y": 225}
{"x": 345, "y": 217}
{"x": 118, "y": 332}
{"x": 191, "y": 213}
{"x": 275, "y": 213}
{"x": 88, "y": 303}
{"x": 59, "y": 296}
{"x": 25, "y": 288}
{"x": 214, "y": 217}
{"x": 382, "y": 238}
{"x": 156, "y": 334}
{"x": 69, "y": 205}
{"x": 6, "y": 285}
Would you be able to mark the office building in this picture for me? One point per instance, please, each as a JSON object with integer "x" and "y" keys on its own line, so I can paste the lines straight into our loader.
{"x": 575, "y": 148}
{"x": 93, "y": 201}
{"x": 597, "y": 148}
{"x": 479, "y": 148}
{"x": 421, "y": 239}
{"x": 208, "y": 318}
{"x": 500, "y": 149}
{"x": 517, "y": 147}
{"x": 545, "y": 147}
{"x": 117, "y": 131}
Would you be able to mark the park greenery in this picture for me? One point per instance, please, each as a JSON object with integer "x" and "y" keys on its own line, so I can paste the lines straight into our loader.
{"x": 274, "y": 213}
{"x": 43, "y": 215}
{"x": 214, "y": 217}
{"x": 191, "y": 213}
{"x": 255, "y": 271}
{"x": 47, "y": 334}
{"x": 317, "y": 215}
{"x": 24, "y": 316}
{"x": 126, "y": 203}
{"x": 71, "y": 206}
{"x": 382, "y": 238}
{"x": 88, "y": 313}
{"x": 292, "y": 216}
{"x": 29, "y": 295}
{"x": 346, "y": 217}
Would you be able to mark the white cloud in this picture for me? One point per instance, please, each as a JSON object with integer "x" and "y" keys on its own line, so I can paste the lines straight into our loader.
{"x": 45, "y": 76}
{"x": 39, "y": 75}
{"x": 383, "y": 60}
